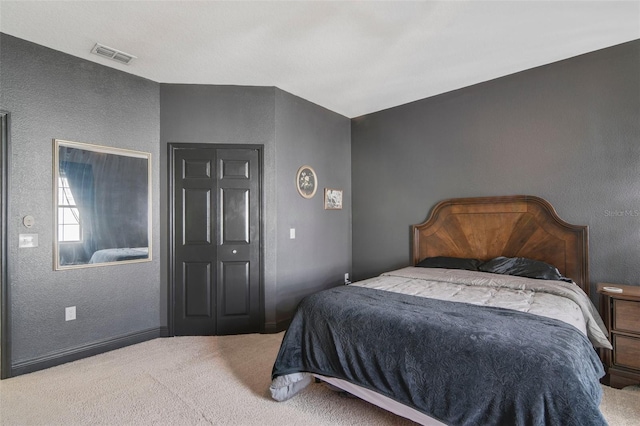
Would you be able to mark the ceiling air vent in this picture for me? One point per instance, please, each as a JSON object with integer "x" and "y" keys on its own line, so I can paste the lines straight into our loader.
{"x": 113, "y": 54}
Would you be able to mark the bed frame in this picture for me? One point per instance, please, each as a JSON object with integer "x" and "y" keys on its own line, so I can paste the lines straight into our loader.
{"x": 484, "y": 228}
{"x": 511, "y": 226}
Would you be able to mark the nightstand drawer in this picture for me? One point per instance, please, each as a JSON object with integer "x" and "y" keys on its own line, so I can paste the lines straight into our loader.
{"x": 621, "y": 314}
{"x": 626, "y": 316}
{"x": 626, "y": 352}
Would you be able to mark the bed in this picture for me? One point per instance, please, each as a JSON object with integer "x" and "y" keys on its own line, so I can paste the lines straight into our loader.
{"x": 119, "y": 254}
{"x": 456, "y": 338}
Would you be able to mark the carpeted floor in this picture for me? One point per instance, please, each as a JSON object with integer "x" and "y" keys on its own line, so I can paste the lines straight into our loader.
{"x": 200, "y": 381}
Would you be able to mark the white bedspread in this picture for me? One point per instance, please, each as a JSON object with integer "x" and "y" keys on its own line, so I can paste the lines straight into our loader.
{"x": 553, "y": 299}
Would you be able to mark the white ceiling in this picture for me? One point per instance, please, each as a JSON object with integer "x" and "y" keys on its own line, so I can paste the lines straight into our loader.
{"x": 351, "y": 57}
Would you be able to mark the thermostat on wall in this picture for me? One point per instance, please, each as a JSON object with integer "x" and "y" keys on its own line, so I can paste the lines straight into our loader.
{"x": 28, "y": 221}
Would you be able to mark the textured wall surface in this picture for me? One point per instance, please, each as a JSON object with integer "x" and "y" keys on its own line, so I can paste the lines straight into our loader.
{"x": 294, "y": 132}
{"x": 54, "y": 95}
{"x": 568, "y": 132}
{"x": 320, "y": 255}
{"x": 222, "y": 115}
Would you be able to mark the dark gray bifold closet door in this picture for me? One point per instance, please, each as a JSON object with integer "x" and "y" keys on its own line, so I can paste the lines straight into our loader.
{"x": 216, "y": 241}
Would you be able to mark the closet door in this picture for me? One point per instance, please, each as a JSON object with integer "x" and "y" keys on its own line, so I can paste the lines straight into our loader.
{"x": 238, "y": 249}
{"x": 216, "y": 240}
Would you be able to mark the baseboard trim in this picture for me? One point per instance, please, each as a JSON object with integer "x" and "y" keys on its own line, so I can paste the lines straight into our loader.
{"x": 277, "y": 327}
{"x": 74, "y": 354}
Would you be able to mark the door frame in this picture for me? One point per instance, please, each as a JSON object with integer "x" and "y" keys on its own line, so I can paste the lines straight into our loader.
{"x": 5, "y": 317}
{"x": 171, "y": 281}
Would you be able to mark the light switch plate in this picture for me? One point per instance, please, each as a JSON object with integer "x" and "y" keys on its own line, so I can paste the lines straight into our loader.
{"x": 292, "y": 233}
{"x": 28, "y": 240}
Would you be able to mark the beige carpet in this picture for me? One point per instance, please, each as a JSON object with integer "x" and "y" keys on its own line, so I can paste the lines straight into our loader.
{"x": 200, "y": 381}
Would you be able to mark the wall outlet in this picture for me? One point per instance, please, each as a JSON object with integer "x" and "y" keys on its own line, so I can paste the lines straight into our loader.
{"x": 346, "y": 278}
{"x": 292, "y": 233}
{"x": 70, "y": 313}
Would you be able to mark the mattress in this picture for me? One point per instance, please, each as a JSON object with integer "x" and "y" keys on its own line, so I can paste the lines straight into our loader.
{"x": 552, "y": 299}
{"x": 558, "y": 301}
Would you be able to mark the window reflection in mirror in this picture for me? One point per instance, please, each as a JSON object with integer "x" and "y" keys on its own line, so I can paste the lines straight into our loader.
{"x": 102, "y": 205}
{"x": 69, "y": 229}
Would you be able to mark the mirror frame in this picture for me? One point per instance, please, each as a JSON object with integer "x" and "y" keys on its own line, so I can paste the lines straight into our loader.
{"x": 60, "y": 143}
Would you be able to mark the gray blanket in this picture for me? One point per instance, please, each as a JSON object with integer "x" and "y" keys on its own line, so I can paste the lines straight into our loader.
{"x": 119, "y": 254}
{"x": 459, "y": 363}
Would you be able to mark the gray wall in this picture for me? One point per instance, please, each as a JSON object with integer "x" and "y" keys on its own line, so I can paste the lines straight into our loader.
{"x": 222, "y": 115}
{"x": 320, "y": 255}
{"x": 568, "y": 132}
{"x": 54, "y": 95}
{"x": 294, "y": 132}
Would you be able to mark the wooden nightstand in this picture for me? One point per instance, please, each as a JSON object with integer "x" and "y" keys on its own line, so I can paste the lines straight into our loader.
{"x": 621, "y": 314}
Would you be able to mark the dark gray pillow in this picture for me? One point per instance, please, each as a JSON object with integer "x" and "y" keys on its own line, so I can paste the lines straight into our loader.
{"x": 523, "y": 267}
{"x": 450, "y": 263}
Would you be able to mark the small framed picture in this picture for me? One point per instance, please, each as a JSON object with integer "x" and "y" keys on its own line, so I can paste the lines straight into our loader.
{"x": 332, "y": 199}
{"x": 306, "y": 181}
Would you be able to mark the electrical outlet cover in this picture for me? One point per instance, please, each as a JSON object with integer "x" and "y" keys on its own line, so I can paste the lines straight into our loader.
{"x": 70, "y": 313}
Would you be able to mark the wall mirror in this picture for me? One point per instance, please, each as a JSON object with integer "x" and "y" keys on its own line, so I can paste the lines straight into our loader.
{"x": 102, "y": 205}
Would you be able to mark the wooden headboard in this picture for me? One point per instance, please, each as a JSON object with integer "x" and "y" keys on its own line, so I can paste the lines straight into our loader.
{"x": 513, "y": 226}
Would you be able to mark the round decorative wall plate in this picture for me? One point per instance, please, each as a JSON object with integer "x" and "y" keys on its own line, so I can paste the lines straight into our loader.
{"x": 306, "y": 181}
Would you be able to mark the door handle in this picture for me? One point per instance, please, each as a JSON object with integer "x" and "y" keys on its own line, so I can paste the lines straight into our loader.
{"x": 234, "y": 251}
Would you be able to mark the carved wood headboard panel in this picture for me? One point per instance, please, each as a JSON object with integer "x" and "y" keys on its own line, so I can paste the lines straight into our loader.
{"x": 512, "y": 226}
